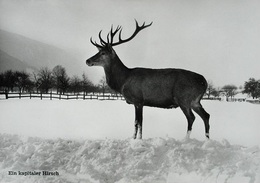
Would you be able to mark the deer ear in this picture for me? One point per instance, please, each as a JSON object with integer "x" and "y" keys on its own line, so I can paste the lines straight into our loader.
{"x": 98, "y": 48}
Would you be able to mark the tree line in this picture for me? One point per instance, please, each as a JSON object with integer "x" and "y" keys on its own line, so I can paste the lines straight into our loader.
{"x": 46, "y": 79}
{"x": 251, "y": 88}
{"x": 58, "y": 80}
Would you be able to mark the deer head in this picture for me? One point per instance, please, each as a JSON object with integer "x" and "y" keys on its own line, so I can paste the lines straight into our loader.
{"x": 106, "y": 52}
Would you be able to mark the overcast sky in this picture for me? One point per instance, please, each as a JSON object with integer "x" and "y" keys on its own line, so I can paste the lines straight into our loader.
{"x": 217, "y": 38}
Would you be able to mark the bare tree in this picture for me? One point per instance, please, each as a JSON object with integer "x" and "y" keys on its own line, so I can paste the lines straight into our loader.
{"x": 216, "y": 92}
{"x": 103, "y": 85}
{"x": 230, "y": 90}
{"x": 45, "y": 79}
{"x": 75, "y": 84}
{"x": 36, "y": 81}
{"x": 22, "y": 81}
{"x": 8, "y": 80}
{"x": 210, "y": 89}
{"x": 1, "y": 81}
{"x": 61, "y": 79}
{"x": 87, "y": 85}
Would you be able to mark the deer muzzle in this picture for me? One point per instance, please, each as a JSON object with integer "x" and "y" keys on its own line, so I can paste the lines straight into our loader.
{"x": 89, "y": 62}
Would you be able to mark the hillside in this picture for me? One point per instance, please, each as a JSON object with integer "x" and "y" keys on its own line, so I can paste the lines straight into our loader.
{"x": 35, "y": 54}
{"x": 8, "y": 62}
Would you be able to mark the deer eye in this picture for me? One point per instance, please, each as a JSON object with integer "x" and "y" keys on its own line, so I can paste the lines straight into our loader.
{"x": 103, "y": 53}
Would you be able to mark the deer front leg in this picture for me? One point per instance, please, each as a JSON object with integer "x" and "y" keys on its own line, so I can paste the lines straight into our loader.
{"x": 136, "y": 129}
{"x": 138, "y": 120}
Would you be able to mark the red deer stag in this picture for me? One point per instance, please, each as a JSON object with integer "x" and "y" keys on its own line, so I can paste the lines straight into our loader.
{"x": 164, "y": 88}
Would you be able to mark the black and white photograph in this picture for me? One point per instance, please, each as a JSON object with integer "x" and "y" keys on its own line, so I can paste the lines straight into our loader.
{"x": 129, "y": 91}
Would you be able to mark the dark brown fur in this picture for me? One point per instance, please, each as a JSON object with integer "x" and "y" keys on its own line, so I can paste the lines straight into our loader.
{"x": 164, "y": 88}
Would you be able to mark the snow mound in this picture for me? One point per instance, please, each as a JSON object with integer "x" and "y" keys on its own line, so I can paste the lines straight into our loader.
{"x": 156, "y": 160}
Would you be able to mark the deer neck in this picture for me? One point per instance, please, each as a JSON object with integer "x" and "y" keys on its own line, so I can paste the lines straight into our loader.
{"x": 116, "y": 74}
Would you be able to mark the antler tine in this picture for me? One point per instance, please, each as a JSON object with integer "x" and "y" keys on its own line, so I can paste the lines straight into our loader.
{"x": 101, "y": 40}
{"x": 108, "y": 38}
{"x": 142, "y": 26}
{"x": 120, "y": 38}
{"x": 95, "y": 43}
{"x": 137, "y": 29}
{"x": 113, "y": 33}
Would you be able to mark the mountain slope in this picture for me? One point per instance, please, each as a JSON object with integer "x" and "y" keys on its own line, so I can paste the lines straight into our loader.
{"x": 8, "y": 62}
{"x": 37, "y": 54}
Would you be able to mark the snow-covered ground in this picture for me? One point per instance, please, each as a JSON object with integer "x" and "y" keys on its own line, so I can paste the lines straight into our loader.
{"x": 89, "y": 141}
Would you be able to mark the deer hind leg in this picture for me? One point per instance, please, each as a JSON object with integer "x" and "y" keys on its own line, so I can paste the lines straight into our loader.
{"x": 204, "y": 115}
{"x": 138, "y": 121}
{"x": 190, "y": 118}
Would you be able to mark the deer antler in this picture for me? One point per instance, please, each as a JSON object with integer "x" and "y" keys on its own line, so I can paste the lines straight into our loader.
{"x": 95, "y": 43}
{"x": 112, "y": 33}
{"x": 103, "y": 43}
{"x": 137, "y": 29}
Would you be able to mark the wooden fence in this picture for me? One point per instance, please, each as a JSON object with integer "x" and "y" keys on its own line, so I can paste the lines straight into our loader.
{"x": 95, "y": 96}
{"x": 81, "y": 96}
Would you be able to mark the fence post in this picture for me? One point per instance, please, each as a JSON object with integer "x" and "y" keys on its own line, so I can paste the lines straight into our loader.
{"x": 6, "y": 94}
{"x": 41, "y": 95}
{"x": 51, "y": 95}
{"x": 30, "y": 95}
{"x": 20, "y": 95}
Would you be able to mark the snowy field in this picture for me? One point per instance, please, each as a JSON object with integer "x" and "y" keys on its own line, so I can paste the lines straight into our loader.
{"x": 90, "y": 141}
